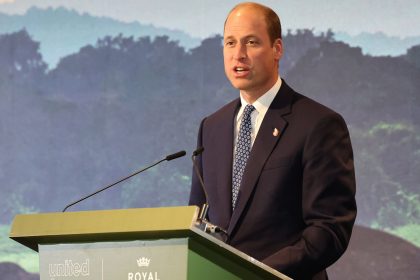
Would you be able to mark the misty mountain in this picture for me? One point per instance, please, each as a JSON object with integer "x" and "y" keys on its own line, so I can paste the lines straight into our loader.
{"x": 62, "y": 32}
{"x": 378, "y": 43}
{"x": 379, "y": 98}
{"x": 112, "y": 107}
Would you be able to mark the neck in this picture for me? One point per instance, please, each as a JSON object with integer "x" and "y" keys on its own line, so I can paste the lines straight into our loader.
{"x": 251, "y": 96}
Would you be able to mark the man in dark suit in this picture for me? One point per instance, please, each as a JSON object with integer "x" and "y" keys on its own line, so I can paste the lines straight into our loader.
{"x": 277, "y": 166}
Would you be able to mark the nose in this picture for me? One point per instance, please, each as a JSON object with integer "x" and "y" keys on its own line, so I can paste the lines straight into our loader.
{"x": 239, "y": 52}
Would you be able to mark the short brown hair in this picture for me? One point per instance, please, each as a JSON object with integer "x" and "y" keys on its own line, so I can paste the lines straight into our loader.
{"x": 271, "y": 18}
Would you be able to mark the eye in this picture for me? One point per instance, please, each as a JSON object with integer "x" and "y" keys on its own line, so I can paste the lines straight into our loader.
{"x": 229, "y": 43}
{"x": 252, "y": 42}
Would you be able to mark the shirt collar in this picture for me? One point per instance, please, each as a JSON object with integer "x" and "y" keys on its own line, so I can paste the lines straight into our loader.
{"x": 263, "y": 103}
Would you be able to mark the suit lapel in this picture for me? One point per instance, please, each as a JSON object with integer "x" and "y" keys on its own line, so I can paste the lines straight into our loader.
{"x": 225, "y": 140}
{"x": 263, "y": 146}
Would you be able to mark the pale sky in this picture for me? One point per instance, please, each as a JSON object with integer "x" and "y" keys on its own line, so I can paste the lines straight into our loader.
{"x": 202, "y": 18}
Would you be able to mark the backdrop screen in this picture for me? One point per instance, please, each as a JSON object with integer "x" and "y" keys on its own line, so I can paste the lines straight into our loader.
{"x": 91, "y": 91}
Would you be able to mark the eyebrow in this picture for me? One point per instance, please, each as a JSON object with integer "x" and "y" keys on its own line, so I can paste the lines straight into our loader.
{"x": 244, "y": 38}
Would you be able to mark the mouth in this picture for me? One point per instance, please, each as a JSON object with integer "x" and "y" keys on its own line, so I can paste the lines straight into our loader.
{"x": 241, "y": 71}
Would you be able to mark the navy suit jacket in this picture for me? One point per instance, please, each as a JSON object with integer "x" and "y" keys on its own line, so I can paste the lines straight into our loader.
{"x": 296, "y": 205}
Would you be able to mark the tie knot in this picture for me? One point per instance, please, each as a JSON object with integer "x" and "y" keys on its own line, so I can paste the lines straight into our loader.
{"x": 248, "y": 110}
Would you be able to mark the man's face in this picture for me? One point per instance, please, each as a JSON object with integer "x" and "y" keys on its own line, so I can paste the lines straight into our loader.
{"x": 251, "y": 61}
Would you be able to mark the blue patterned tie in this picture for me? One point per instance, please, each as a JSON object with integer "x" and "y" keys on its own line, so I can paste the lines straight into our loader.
{"x": 243, "y": 149}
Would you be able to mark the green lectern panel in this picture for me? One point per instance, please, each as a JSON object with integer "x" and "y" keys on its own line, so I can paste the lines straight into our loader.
{"x": 205, "y": 263}
{"x": 133, "y": 260}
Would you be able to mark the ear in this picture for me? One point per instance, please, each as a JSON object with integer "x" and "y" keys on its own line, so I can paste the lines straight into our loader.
{"x": 278, "y": 49}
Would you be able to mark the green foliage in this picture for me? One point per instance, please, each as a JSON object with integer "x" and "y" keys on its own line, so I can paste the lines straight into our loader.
{"x": 390, "y": 128}
{"x": 413, "y": 56}
{"x": 156, "y": 188}
{"x": 401, "y": 209}
{"x": 366, "y": 90}
{"x": 410, "y": 232}
{"x": 388, "y": 193}
{"x": 15, "y": 204}
{"x": 11, "y": 251}
{"x": 115, "y": 104}
{"x": 20, "y": 60}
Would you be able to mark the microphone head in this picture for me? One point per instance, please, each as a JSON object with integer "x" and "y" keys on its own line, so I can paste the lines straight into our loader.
{"x": 176, "y": 155}
{"x": 198, "y": 151}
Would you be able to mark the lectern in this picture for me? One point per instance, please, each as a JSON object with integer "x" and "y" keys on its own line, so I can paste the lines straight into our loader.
{"x": 132, "y": 244}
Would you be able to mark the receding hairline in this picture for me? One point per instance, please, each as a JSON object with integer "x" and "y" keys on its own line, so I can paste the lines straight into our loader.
{"x": 258, "y": 6}
{"x": 263, "y": 10}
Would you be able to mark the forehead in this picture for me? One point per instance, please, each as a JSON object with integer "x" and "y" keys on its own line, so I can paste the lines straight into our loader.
{"x": 243, "y": 21}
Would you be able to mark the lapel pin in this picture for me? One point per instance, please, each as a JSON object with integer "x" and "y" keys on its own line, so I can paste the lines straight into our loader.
{"x": 276, "y": 132}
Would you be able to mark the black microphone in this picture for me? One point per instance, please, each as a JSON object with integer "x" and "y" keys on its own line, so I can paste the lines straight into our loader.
{"x": 204, "y": 224}
{"x": 167, "y": 158}
{"x": 205, "y": 207}
{"x": 198, "y": 151}
{"x": 176, "y": 155}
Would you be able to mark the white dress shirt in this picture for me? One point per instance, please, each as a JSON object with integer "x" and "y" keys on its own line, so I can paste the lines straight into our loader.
{"x": 261, "y": 106}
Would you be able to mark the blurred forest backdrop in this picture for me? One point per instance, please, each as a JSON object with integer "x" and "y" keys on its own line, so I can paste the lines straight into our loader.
{"x": 124, "y": 101}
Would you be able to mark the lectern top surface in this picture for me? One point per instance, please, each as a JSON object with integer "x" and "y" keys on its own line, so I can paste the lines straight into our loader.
{"x": 33, "y": 229}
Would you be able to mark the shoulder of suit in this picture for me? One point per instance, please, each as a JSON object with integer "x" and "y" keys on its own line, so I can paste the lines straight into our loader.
{"x": 225, "y": 112}
{"x": 311, "y": 108}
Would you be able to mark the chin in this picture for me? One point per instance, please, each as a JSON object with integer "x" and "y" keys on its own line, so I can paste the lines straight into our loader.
{"x": 241, "y": 84}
